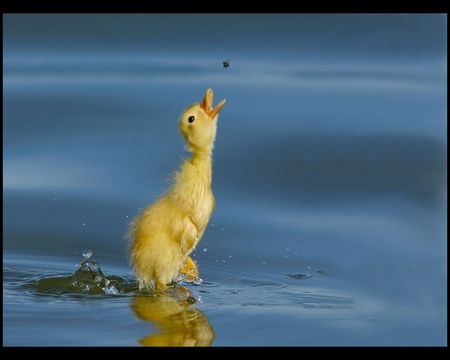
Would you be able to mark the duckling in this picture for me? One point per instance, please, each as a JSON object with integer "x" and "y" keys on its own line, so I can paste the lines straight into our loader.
{"x": 165, "y": 233}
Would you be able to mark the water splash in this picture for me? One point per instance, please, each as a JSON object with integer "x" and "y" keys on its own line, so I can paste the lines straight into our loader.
{"x": 90, "y": 279}
{"x": 87, "y": 279}
{"x": 187, "y": 278}
{"x": 87, "y": 254}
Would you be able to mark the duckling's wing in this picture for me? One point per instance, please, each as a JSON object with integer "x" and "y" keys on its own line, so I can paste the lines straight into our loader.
{"x": 188, "y": 235}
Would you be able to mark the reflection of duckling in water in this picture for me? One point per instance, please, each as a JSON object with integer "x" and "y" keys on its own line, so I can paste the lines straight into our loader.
{"x": 165, "y": 233}
{"x": 177, "y": 322}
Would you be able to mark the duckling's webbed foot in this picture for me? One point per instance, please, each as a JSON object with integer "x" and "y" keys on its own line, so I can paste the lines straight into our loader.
{"x": 190, "y": 270}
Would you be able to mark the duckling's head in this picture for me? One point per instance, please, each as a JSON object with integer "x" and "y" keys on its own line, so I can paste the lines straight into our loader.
{"x": 198, "y": 124}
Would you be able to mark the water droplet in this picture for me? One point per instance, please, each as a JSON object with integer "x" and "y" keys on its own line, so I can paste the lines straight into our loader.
{"x": 87, "y": 254}
{"x": 224, "y": 261}
{"x": 126, "y": 216}
{"x": 308, "y": 267}
{"x": 111, "y": 290}
{"x": 264, "y": 263}
{"x": 205, "y": 249}
{"x": 84, "y": 224}
{"x": 230, "y": 256}
{"x": 87, "y": 265}
{"x": 287, "y": 249}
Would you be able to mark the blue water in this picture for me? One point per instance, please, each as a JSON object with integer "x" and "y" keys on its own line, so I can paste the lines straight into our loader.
{"x": 330, "y": 176}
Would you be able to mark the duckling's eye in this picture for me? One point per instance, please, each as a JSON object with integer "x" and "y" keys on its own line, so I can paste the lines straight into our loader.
{"x": 191, "y": 119}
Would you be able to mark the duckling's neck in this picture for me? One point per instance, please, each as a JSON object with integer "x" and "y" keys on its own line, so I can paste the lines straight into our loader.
{"x": 200, "y": 170}
{"x": 202, "y": 159}
{"x": 193, "y": 181}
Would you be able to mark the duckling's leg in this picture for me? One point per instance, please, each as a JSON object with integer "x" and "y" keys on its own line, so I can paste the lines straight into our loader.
{"x": 189, "y": 269}
{"x": 189, "y": 238}
{"x": 160, "y": 285}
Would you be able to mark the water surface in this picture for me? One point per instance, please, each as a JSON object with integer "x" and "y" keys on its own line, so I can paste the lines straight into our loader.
{"x": 329, "y": 176}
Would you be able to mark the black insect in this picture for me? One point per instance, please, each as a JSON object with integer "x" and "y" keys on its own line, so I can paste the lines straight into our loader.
{"x": 226, "y": 64}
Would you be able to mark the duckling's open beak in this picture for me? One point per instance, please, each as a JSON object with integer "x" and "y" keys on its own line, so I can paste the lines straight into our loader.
{"x": 217, "y": 109}
{"x": 207, "y": 102}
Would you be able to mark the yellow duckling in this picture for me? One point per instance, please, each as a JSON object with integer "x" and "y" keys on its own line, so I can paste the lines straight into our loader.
{"x": 165, "y": 233}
